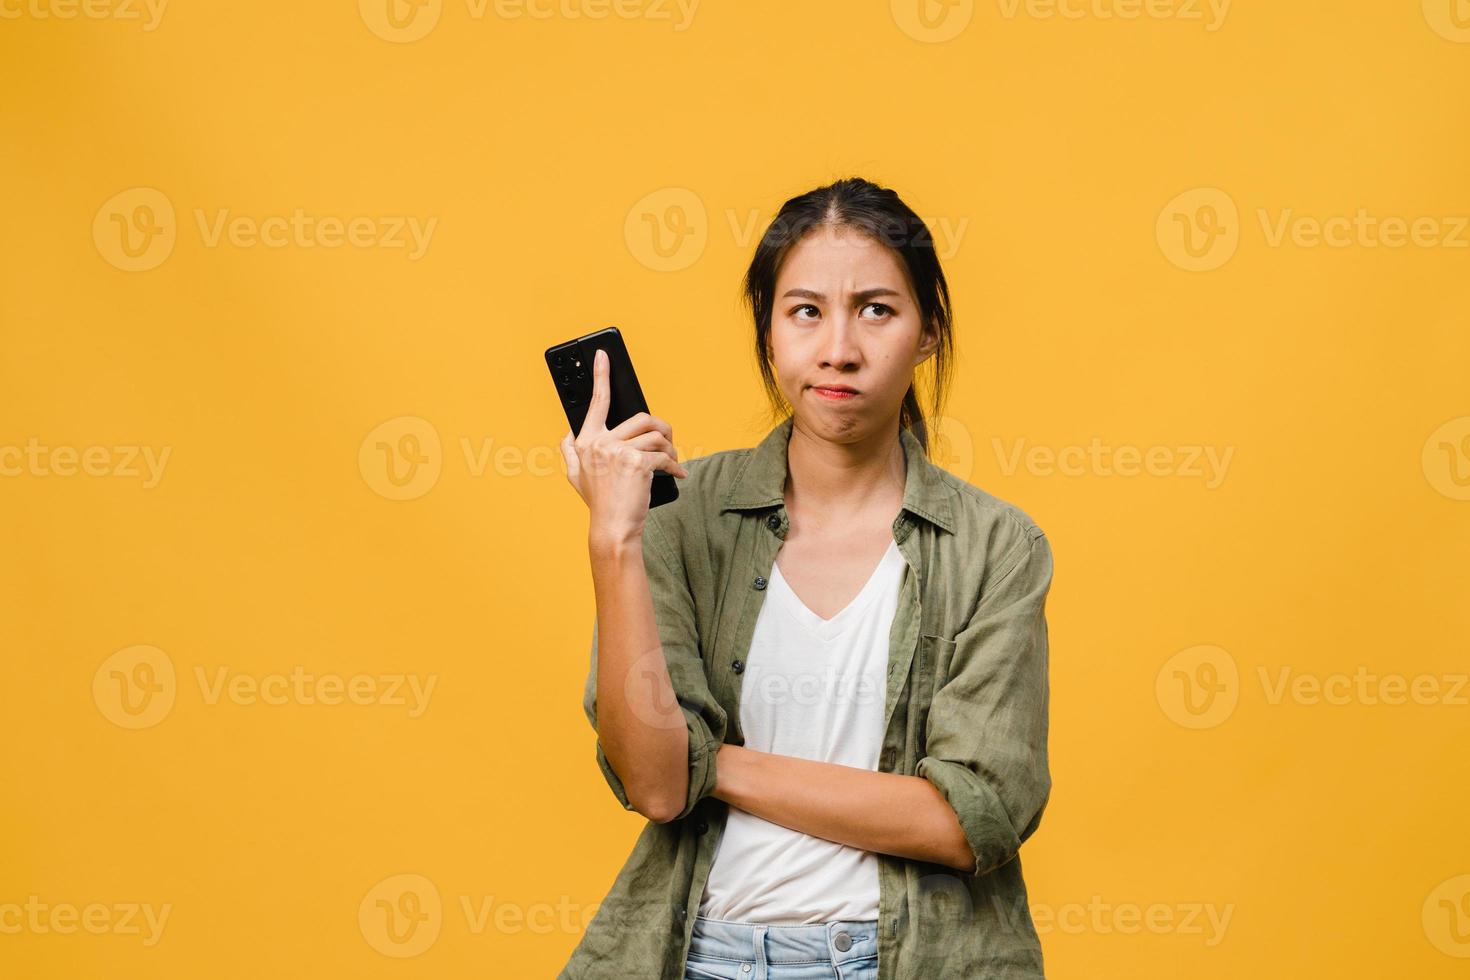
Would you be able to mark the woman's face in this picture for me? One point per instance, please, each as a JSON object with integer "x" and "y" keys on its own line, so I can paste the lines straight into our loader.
{"x": 845, "y": 315}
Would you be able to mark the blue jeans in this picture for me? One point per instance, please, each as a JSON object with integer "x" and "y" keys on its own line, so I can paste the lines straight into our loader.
{"x": 723, "y": 950}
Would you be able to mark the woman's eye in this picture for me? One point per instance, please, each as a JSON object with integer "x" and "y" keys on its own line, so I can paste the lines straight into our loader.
{"x": 884, "y": 309}
{"x": 805, "y": 306}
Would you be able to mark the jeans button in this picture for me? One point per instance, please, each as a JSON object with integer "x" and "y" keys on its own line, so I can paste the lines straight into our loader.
{"x": 842, "y": 941}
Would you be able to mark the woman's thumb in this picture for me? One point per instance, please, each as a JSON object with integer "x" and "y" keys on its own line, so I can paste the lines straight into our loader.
{"x": 568, "y": 452}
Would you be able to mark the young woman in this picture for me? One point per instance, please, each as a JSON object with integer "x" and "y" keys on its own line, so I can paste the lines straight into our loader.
{"x": 821, "y": 673}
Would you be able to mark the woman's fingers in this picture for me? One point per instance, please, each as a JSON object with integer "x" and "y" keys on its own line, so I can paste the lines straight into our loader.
{"x": 667, "y": 463}
{"x": 596, "y": 419}
{"x": 654, "y": 441}
{"x": 639, "y": 423}
{"x": 657, "y": 443}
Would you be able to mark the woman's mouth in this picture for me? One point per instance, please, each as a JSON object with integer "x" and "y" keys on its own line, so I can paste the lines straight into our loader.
{"x": 835, "y": 393}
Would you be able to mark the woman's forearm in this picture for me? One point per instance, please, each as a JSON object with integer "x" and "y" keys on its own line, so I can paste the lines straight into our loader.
{"x": 885, "y": 812}
{"x": 639, "y": 722}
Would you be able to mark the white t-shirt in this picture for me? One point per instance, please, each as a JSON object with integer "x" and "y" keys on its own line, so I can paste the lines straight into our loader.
{"x": 813, "y": 688}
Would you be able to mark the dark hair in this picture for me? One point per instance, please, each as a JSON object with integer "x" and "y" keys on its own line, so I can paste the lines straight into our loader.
{"x": 880, "y": 214}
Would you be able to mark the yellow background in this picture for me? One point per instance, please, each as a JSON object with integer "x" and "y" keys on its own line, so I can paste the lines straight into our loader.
{"x": 547, "y": 150}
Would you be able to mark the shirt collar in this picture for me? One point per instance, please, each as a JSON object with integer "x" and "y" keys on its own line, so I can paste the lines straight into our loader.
{"x": 762, "y": 481}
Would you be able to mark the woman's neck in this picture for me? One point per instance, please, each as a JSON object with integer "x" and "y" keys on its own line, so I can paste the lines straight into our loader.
{"x": 839, "y": 481}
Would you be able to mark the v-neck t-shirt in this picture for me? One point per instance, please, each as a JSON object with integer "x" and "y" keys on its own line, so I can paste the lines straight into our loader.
{"x": 813, "y": 688}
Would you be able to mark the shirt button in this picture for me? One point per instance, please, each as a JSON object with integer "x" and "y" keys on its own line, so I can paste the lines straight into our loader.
{"x": 888, "y": 755}
{"x": 701, "y": 827}
{"x": 738, "y": 666}
{"x": 760, "y": 582}
{"x": 773, "y": 522}
{"x": 683, "y": 913}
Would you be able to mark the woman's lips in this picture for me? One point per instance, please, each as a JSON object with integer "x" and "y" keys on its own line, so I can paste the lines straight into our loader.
{"x": 834, "y": 395}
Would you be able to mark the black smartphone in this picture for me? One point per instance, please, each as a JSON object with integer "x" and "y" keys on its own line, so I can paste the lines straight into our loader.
{"x": 571, "y": 370}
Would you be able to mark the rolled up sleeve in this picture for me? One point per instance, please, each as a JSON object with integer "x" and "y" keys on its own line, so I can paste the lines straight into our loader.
{"x": 986, "y": 734}
{"x": 704, "y": 718}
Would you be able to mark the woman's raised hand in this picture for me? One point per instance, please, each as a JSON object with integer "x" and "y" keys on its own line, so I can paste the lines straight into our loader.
{"x": 612, "y": 469}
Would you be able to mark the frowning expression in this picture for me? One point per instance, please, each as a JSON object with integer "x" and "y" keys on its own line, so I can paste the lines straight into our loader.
{"x": 846, "y": 333}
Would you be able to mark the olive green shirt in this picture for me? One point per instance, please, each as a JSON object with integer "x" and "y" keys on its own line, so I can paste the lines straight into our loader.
{"x": 965, "y": 708}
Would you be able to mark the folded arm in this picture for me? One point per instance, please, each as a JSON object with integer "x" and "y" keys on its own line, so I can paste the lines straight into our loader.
{"x": 984, "y": 781}
{"x": 646, "y": 695}
{"x": 905, "y": 816}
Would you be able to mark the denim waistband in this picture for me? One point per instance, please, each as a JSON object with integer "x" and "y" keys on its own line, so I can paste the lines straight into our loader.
{"x": 755, "y": 942}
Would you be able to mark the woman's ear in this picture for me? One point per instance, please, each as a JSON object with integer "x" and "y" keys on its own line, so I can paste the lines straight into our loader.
{"x": 928, "y": 344}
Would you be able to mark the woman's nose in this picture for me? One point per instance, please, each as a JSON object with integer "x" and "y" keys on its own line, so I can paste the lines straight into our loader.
{"x": 839, "y": 346}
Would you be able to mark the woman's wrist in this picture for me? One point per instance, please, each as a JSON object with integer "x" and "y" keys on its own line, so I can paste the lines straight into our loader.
{"x": 605, "y": 543}
{"x": 729, "y": 773}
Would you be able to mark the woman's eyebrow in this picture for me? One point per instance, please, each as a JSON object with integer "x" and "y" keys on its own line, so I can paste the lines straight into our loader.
{"x": 858, "y": 297}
